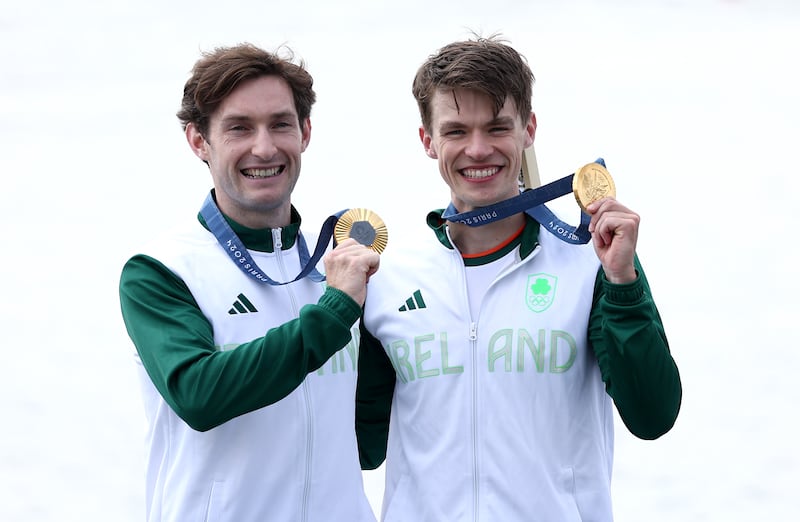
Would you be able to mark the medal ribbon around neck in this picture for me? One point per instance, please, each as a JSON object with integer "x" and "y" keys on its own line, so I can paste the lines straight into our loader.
{"x": 340, "y": 226}
{"x": 532, "y": 202}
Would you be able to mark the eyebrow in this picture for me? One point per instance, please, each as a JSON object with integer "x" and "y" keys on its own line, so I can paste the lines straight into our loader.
{"x": 506, "y": 121}
{"x": 233, "y": 118}
{"x": 448, "y": 126}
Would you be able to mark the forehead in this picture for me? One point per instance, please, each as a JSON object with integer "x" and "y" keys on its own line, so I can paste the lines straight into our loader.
{"x": 466, "y": 105}
{"x": 257, "y": 97}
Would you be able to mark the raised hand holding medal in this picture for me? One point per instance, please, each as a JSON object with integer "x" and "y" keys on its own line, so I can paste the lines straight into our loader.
{"x": 349, "y": 265}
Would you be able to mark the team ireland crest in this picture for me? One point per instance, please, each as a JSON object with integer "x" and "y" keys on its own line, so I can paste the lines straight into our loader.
{"x": 540, "y": 292}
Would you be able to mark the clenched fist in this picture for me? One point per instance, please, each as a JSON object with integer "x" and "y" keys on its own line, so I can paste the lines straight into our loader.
{"x": 349, "y": 266}
{"x": 615, "y": 229}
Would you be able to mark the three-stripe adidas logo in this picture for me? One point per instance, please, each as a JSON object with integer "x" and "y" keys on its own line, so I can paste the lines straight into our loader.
{"x": 242, "y": 305}
{"x": 414, "y": 302}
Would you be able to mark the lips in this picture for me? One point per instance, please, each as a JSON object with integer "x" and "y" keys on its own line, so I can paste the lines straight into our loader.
{"x": 480, "y": 173}
{"x": 262, "y": 173}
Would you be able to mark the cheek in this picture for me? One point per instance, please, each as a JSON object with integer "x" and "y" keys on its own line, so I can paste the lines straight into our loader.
{"x": 447, "y": 171}
{"x": 444, "y": 151}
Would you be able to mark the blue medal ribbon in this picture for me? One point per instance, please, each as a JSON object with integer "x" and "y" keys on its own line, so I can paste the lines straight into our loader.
{"x": 532, "y": 202}
{"x": 238, "y": 253}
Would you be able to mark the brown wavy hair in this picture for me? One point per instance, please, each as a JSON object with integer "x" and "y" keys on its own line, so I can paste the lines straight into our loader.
{"x": 217, "y": 73}
{"x": 487, "y": 65}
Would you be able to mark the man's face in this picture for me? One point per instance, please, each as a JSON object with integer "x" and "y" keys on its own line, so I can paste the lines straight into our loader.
{"x": 253, "y": 149}
{"x": 479, "y": 154}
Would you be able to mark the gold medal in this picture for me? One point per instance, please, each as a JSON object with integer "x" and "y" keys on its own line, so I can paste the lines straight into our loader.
{"x": 364, "y": 226}
{"x": 592, "y": 182}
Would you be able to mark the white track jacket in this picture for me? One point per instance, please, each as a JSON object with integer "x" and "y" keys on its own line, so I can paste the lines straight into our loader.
{"x": 498, "y": 417}
{"x": 293, "y": 461}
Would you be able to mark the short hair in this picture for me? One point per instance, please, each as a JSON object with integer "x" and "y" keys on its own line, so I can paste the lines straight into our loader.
{"x": 487, "y": 65}
{"x": 217, "y": 73}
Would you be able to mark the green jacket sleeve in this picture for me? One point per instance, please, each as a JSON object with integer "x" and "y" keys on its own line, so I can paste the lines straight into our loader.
{"x": 207, "y": 387}
{"x": 628, "y": 339}
{"x": 376, "y": 380}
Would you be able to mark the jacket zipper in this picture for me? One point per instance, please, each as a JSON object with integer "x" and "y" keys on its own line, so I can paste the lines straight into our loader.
{"x": 473, "y": 340}
{"x": 278, "y": 248}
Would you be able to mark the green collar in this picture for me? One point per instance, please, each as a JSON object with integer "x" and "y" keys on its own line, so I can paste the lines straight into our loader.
{"x": 527, "y": 241}
{"x": 260, "y": 239}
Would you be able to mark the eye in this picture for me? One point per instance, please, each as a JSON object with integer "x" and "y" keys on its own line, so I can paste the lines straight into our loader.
{"x": 283, "y": 125}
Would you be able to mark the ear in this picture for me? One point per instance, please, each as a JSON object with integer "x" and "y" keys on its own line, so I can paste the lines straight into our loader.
{"x": 427, "y": 143}
{"x": 306, "y": 134}
{"x": 197, "y": 142}
{"x": 530, "y": 130}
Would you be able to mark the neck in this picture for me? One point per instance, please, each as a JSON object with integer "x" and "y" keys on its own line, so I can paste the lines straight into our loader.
{"x": 258, "y": 218}
{"x": 475, "y": 240}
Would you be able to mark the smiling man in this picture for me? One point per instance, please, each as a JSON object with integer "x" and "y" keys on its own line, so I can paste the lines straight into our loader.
{"x": 498, "y": 351}
{"x": 253, "y": 148}
{"x": 248, "y": 399}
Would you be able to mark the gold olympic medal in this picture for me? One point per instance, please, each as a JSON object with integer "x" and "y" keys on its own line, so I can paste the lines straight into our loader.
{"x": 592, "y": 182}
{"x": 364, "y": 226}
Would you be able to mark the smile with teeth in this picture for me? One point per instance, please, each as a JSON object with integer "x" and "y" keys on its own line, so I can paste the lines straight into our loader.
{"x": 262, "y": 173}
{"x": 479, "y": 173}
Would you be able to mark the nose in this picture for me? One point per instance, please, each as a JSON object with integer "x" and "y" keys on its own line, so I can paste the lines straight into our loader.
{"x": 263, "y": 144}
{"x": 478, "y": 146}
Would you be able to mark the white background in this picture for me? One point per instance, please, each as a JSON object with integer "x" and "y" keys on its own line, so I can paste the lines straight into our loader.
{"x": 691, "y": 102}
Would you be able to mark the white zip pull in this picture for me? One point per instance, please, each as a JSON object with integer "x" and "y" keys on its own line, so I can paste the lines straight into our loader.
{"x": 276, "y": 239}
{"x": 473, "y": 331}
